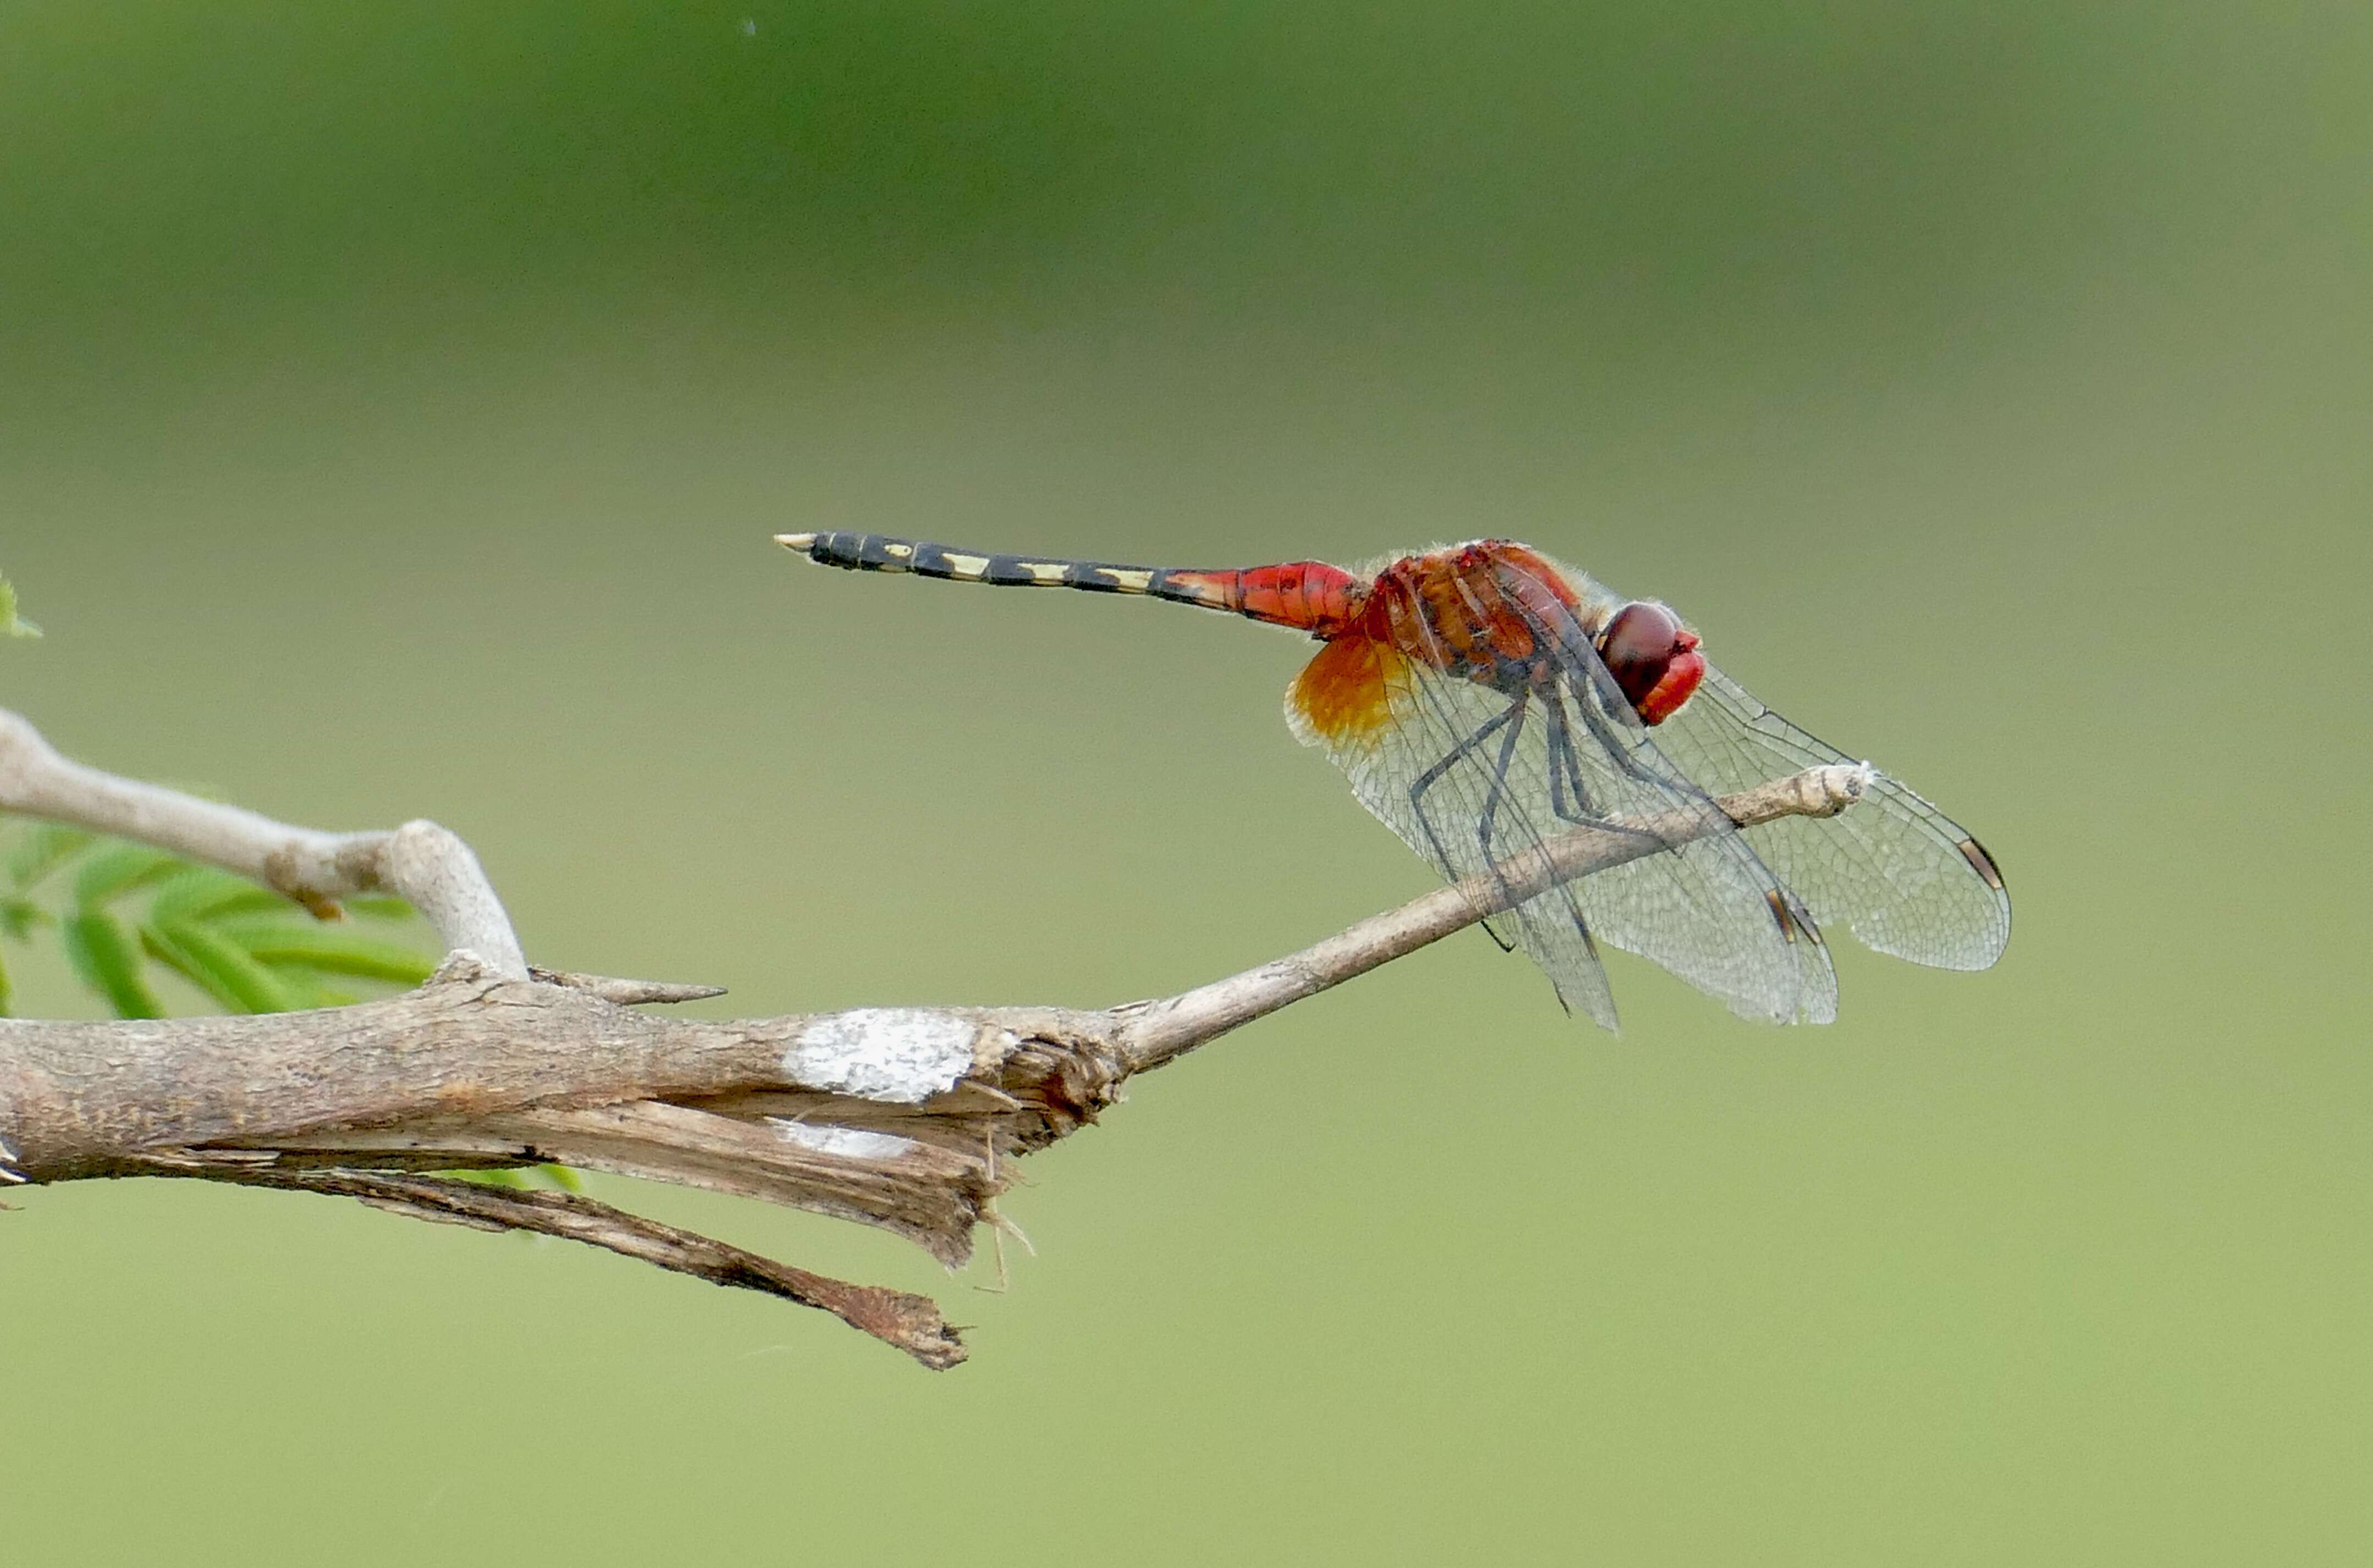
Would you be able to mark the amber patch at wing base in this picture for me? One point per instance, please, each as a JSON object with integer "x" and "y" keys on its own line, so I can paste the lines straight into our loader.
{"x": 1345, "y": 694}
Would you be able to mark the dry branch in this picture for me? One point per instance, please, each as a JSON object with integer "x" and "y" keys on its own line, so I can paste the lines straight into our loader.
{"x": 906, "y": 1119}
{"x": 898, "y": 1317}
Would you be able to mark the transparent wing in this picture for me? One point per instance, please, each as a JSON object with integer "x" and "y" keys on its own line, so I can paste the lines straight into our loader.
{"x": 1429, "y": 770}
{"x": 1706, "y": 907}
{"x": 1900, "y": 874}
{"x": 1469, "y": 775}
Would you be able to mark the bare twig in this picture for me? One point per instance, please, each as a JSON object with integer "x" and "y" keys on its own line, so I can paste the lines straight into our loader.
{"x": 1160, "y": 1032}
{"x": 903, "y": 1117}
{"x": 626, "y": 992}
{"x": 419, "y": 862}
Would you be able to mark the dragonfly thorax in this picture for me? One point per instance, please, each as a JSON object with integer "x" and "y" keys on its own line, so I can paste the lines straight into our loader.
{"x": 1497, "y": 614}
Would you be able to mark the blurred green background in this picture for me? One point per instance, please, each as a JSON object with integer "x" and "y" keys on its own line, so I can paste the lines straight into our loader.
{"x": 394, "y": 405}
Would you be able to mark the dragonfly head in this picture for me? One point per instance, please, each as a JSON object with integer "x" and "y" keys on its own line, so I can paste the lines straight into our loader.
{"x": 1653, "y": 658}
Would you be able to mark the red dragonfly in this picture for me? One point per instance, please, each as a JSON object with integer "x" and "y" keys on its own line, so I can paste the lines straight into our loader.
{"x": 1483, "y": 698}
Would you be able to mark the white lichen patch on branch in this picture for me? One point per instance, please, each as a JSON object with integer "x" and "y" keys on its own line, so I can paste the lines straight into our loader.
{"x": 848, "y": 1143}
{"x": 902, "y": 1055}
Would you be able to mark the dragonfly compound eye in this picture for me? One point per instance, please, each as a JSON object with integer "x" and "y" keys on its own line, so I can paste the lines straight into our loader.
{"x": 1653, "y": 658}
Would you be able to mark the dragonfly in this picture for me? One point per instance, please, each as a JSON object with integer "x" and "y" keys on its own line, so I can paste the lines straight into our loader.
{"x": 1484, "y": 700}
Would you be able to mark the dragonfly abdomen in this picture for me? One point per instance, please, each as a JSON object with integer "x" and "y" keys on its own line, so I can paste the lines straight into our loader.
{"x": 1308, "y": 595}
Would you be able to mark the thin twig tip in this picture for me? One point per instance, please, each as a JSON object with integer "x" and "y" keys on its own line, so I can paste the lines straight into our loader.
{"x": 626, "y": 992}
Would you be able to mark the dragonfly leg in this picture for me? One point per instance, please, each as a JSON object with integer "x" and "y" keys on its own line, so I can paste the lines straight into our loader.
{"x": 1507, "y": 720}
{"x": 1568, "y": 797}
{"x": 1619, "y": 752}
{"x": 1565, "y": 766}
{"x": 1491, "y": 802}
{"x": 1451, "y": 759}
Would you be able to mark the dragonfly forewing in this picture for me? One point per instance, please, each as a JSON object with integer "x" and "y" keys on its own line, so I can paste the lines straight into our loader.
{"x": 1904, "y": 878}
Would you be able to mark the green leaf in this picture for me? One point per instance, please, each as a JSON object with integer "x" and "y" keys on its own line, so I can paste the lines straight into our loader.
{"x": 330, "y": 948}
{"x": 221, "y": 967}
{"x": 118, "y": 867}
{"x": 44, "y": 848}
{"x": 21, "y": 918}
{"x": 4, "y": 992}
{"x": 201, "y": 892}
{"x": 379, "y": 908}
{"x": 103, "y": 954}
{"x": 10, "y": 625}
